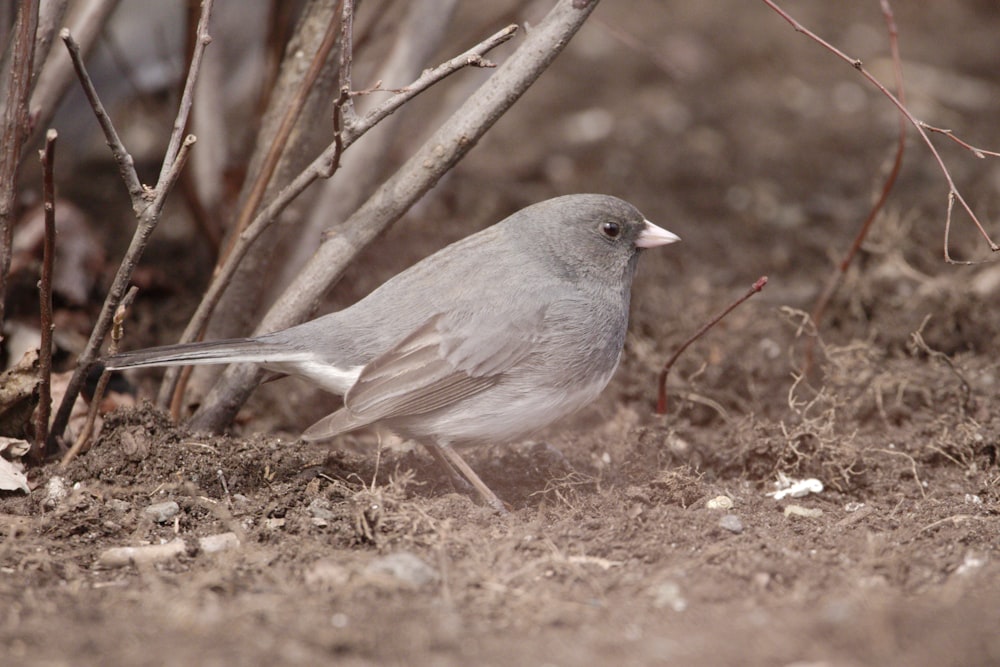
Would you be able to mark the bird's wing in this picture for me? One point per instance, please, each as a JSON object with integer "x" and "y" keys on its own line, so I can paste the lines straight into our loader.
{"x": 449, "y": 358}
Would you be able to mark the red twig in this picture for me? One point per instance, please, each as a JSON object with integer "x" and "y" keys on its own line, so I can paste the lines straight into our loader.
{"x": 44, "y": 409}
{"x": 837, "y": 277}
{"x": 953, "y": 193}
{"x": 661, "y": 402}
{"x": 980, "y": 153}
{"x": 124, "y": 160}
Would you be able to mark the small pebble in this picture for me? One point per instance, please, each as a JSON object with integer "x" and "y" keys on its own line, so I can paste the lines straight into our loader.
{"x": 799, "y": 510}
{"x": 720, "y": 503}
{"x": 55, "y": 491}
{"x": 163, "y": 512}
{"x": 119, "y": 505}
{"x": 732, "y": 523}
{"x": 149, "y": 553}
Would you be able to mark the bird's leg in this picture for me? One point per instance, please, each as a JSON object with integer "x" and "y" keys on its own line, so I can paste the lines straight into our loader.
{"x": 458, "y": 481}
{"x": 455, "y": 464}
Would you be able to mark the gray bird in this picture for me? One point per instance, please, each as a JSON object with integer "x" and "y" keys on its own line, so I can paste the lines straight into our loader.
{"x": 486, "y": 341}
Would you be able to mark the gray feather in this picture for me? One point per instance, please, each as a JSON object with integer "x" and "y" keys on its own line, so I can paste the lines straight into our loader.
{"x": 237, "y": 350}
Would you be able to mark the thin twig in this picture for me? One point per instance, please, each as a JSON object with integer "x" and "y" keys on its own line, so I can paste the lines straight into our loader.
{"x": 953, "y": 192}
{"x": 177, "y": 136}
{"x": 117, "y": 332}
{"x": 661, "y": 402}
{"x": 174, "y": 172}
{"x": 471, "y": 58}
{"x": 147, "y": 205}
{"x": 322, "y": 167}
{"x": 837, "y": 277}
{"x": 980, "y": 153}
{"x": 126, "y": 165}
{"x": 44, "y": 409}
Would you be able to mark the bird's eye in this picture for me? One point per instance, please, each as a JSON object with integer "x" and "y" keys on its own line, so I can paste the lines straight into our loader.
{"x": 611, "y": 229}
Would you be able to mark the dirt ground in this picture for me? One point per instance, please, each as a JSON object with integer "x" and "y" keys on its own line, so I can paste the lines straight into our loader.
{"x": 634, "y": 539}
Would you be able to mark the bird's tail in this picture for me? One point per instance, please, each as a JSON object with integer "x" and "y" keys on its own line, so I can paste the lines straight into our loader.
{"x": 235, "y": 350}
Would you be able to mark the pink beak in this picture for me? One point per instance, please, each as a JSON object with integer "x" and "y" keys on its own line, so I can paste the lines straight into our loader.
{"x": 652, "y": 236}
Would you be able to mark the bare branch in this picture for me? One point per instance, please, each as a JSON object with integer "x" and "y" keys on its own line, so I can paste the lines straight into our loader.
{"x": 44, "y": 409}
{"x": 428, "y": 164}
{"x": 953, "y": 192}
{"x": 126, "y": 165}
{"x": 172, "y": 174}
{"x": 471, "y": 58}
{"x": 184, "y": 108}
{"x": 980, "y": 153}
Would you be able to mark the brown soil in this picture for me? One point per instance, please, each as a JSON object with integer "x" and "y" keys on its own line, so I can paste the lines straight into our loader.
{"x": 762, "y": 152}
